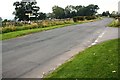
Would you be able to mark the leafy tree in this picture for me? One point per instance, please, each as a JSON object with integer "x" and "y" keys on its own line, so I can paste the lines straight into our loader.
{"x": 22, "y": 8}
{"x": 50, "y": 15}
{"x": 0, "y": 21}
{"x": 42, "y": 16}
{"x": 72, "y": 11}
{"x": 114, "y": 14}
{"x": 90, "y": 10}
{"x": 79, "y": 10}
{"x": 58, "y": 12}
{"x": 69, "y": 11}
{"x": 106, "y": 13}
{"x": 5, "y": 20}
{"x": 73, "y": 14}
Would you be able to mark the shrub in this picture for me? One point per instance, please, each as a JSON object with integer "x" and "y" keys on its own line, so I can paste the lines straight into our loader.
{"x": 18, "y": 24}
{"x": 8, "y": 29}
{"x": 90, "y": 17}
{"x": 78, "y": 18}
{"x": 114, "y": 23}
{"x": 75, "y": 19}
{"x": 81, "y": 18}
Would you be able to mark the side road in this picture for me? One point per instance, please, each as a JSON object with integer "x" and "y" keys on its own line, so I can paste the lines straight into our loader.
{"x": 109, "y": 33}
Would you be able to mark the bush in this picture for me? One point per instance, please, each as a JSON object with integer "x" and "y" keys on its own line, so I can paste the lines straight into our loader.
{"x": 75, "y": 19}
{"x": 81, "y": 18}
{"x": 78, "y": 18}
{"x": 8, "y": 29}
{"x": 114, "y": 23}
{"x": 90, "y": 17}
{"x": 18, "y": 24}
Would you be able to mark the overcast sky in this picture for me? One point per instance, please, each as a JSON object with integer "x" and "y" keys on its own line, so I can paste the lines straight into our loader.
{"x": 6, "y": 6}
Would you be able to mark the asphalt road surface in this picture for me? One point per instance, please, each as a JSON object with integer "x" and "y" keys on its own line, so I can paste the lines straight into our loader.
{"x": 22, "y": 55}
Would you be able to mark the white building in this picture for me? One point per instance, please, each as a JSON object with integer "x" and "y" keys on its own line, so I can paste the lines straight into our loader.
{"x": 119, "y": 7}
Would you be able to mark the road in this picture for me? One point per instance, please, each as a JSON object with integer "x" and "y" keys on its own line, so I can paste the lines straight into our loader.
{"x": 21, "y": 56}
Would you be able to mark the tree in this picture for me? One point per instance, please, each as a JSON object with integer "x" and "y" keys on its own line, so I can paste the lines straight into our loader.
{"x": 106, "y": 13}
{"x": 42, "y": 16}
{"x": 0, "y": 21}
{"x": 72, "y": 11}
{"x": 50, "y": 15}
{"x": 23, "y": 10}
{"x": 58, "y": 12}
{"x": 5, "y": 20}
{"x": 90, "y": 10}
{"x": 115, "y": 14}
{"x": 79, "y": 10}
{"x": 69, "y": 11}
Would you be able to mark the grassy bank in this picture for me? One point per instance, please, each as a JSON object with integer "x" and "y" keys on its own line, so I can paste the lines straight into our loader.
{"x": 25, "y": 32}
{"x": 114, "y": 23}
{"x": 99, "y": 61}
{"x": 15, "y": 34}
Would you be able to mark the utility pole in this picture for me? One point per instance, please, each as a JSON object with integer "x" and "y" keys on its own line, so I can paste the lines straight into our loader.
{"x": 0, "y": 21}
{"x": 119, "y": 7}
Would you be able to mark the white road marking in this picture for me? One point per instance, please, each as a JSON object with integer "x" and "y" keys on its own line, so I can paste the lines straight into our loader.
{"x": 97, "y": 40}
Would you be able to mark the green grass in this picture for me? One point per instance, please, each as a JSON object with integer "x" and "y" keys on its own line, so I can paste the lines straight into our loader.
{"x": 114, "y": 23}
{"x": 99, "y": 61}
{"x": 15, "y": 34}
{"x": 10, "y": 35}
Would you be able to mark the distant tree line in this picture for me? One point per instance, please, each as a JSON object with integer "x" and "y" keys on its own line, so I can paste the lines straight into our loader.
{"x": 113, "y": 14}
{"x": 25, "y": 11}
{"x": 71, "y": 11}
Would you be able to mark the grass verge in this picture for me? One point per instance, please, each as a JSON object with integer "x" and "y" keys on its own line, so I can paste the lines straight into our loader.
{"x": 99, "y": 61}
{"x": 114, "y": 23}
{"x": 15, "y": 34}
{"x": 10, "y": 35}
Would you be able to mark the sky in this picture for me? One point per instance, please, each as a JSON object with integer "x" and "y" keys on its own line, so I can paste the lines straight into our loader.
{"x": 7, "y": 8}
